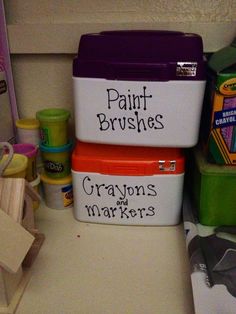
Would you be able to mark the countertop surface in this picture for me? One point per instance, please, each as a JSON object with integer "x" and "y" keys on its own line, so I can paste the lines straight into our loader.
{"x": 104, "y": 269}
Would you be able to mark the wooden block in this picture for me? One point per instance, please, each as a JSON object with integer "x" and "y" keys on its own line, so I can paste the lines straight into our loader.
{"x": 15, "y": 242}
{"x": 3, "y": 295}
{"x": 34, "y": 250}
{"x": 11, "y": 308}
{"x": 8, "y": 285}
{"x": 12, "y": 192}
{"x": 28, "y": 214}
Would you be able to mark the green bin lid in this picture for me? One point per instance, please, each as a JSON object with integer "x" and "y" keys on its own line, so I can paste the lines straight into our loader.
{"x": 223, "y": 58}
{"x": 206, "y": 167}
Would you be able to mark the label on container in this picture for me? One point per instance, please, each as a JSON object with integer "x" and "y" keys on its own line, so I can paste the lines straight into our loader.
{"x": 147, "y": 113}
{"x": 128, "y": 199}
{"x": 3, "y": 87}
{"x": 44, "y": 135}
{"x": 187, "y": 69}
{"x": 228, "y": 87}
{"x": 53, "y": 167}
{"x": 67, "y": 195}
{"x": 225, "y": 120}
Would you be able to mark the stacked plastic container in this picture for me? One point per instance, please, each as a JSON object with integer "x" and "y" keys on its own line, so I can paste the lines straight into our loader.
{"x": 138, "y": 99}
{"x": 56, "y": 148}
{"x": 27, "y": 146}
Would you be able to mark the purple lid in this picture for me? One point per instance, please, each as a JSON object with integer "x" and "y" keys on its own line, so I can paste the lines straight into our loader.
{"x": 140, "y": 55}
{"x": 27, "y": 149}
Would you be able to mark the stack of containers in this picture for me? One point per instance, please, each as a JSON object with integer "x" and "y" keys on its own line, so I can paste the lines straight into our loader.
{"x": 214, "y": 167}
{"x": 55, "y": 148}
{"x": 138, "y": 98}
{"x": 27, "y": 145}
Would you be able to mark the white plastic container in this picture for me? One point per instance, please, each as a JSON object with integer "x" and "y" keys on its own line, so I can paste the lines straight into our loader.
{"x": 127, "y": 185}
{"x": 58, "y": 193}
{"x": 133, "y": 88}
{"x": 28, "y": 131}
{"x": 170, "y": 116}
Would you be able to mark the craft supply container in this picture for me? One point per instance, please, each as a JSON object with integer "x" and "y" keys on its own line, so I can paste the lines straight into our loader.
{"x": 58, "y": 193}
{"x": 127, "y": 185}
{"x": 140, "y": 88}
{"x": 56, "y": 160}
{"x": 28, "y": 131}
{"x": 53, "y": 126}
{"x": 30, "y": 151}
{"x": 17, "y": 167}
{"x": 213, "y": 190}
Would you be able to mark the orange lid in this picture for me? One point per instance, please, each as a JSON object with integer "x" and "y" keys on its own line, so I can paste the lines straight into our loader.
{"x": 127, "y": 160}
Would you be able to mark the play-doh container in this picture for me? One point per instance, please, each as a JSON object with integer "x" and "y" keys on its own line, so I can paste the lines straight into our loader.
{"x": 127, "y": 185}
{"x": 35, "y": 184}
{"x": 213, "y": 189}
{"x": 30, "y": 151}
{"x": 53, "y": 126}
{"x": 28, "y": 131}
{"x": 141, "y": 88}
{"x": 17, "y": 167}
{"x": 56, "y": 160}
{"x": 58, "y": 193}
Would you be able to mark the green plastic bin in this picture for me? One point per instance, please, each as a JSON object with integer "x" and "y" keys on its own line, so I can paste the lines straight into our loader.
{"x": 214, "y": 191}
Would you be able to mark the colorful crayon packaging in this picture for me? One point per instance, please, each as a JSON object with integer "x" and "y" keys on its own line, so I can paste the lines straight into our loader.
{"x": 219, "y": 113}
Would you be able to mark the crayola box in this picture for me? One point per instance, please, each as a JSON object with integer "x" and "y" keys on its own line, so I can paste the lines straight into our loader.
{"x": 219, "y": 114}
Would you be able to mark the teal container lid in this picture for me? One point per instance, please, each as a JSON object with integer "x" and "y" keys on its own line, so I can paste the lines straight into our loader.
{"x": 57, "y": 149}
{"x": 53, "y": 115}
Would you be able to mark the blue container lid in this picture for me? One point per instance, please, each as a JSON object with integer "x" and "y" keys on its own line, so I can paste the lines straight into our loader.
{"x": 58, "y": 149}
{"x": 140, "y": 55}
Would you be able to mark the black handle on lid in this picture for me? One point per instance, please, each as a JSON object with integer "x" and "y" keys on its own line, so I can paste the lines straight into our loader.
{"x": 138, "y": 71}
{"x": 142, "y": 32}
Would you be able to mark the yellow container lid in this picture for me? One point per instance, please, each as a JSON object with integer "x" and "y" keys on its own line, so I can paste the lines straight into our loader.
{"x": 17, "y": 164}
{"x": 65, "y": 180}
{"x": 29, "y": 124}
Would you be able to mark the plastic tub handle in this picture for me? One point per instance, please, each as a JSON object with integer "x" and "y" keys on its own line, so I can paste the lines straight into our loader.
{"x": 5, "y": 146}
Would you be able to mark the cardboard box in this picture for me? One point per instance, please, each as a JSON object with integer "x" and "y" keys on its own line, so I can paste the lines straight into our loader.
{"x": 6, "y": 125}
{"x": 8, "y": 107}
{"x": 219, "y": 113}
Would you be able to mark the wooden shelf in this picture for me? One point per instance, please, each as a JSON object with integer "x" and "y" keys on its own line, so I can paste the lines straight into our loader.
{"x": 94, "y": 268}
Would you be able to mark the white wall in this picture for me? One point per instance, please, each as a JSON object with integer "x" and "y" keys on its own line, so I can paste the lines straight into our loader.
{"x": 44, "y": 36}
{"x": 74, "y": 11}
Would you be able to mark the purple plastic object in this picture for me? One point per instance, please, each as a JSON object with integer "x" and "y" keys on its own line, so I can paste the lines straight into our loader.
{"x": 140, "y": 55}
{"x": 5, "y": 62}
{"x": 29, "y": 150}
